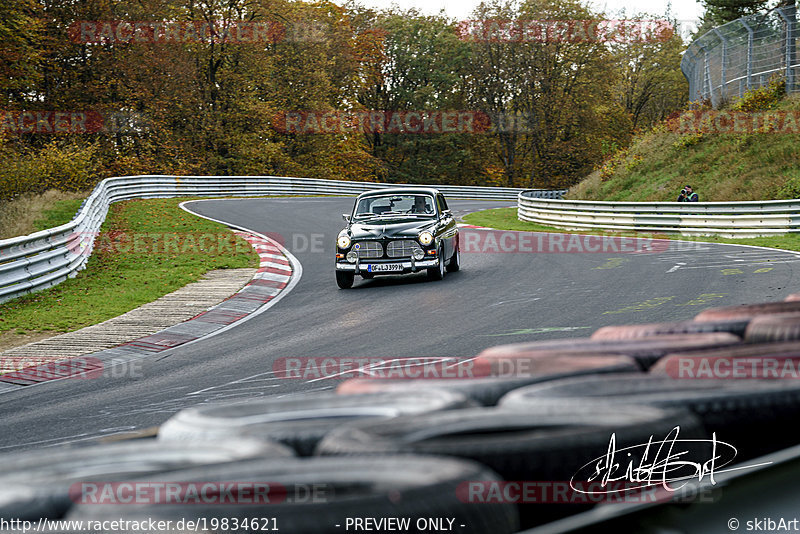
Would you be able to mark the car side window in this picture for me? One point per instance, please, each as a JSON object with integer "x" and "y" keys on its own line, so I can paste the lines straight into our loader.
{"x": 442, "y": 204}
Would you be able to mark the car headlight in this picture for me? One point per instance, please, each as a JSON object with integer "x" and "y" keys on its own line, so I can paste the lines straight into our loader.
{"x": 426, "y": 238}
{"x": 352, "y": 256}
{"x": 419, "y": 254}
{"x": 343, "y": 241}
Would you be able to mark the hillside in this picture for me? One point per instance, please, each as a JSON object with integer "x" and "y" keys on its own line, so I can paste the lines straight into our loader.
{"x": 719, "y": 166}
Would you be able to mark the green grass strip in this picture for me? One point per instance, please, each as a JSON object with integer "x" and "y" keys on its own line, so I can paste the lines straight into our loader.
{"x": 146, "y": 249}
{"x": 62, "y": 212}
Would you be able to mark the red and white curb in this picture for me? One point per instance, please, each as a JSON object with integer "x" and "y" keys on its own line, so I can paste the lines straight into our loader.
{"x": 278, "y": 272}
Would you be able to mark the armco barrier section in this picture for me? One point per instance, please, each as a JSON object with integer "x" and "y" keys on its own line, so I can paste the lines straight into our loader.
{"x": 726, "y": 219}
{"x": 44, "y": 259}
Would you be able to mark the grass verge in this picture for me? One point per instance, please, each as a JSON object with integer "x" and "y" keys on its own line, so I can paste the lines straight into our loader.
{"x": 146, "y": 249}
{"x": 506, "y": 219}
{"x": 719, "y": 166}
{"x": 31, "y": 213}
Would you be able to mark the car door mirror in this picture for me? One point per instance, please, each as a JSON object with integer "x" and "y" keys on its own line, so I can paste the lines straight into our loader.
{"x": 346, "y": 217}
{"x": 447, "y": 213}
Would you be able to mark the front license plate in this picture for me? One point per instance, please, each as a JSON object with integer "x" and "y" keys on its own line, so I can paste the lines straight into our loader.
{"x": 384, "y": 267}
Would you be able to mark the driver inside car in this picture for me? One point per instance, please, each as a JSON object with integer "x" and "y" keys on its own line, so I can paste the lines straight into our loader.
{"x": 420, "y": 206}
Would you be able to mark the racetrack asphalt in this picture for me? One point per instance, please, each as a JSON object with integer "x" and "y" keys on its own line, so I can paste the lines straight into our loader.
{"x": 497, "y": 298}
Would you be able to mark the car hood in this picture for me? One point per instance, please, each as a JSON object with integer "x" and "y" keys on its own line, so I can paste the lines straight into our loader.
{"x": 389, "y": 228}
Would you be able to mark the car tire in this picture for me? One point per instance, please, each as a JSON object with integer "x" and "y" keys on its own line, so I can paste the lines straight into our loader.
{"x": 772, "y": 328}
{"x": 413, "y": 487}
{"x": 455, "y": 261}
{"x": 646, "y": 351}
{"x": 519, "y": 444}
{"x": 487, "y": 390}
{"x": 756, "y": 416}
{"x": 40, "y": 483}
{"x": 437, "y": 273}
{"x": 544, "y": 442}
{"x": 638, "y": 331}
{"x": 747, "y": 311}
{"x": 298, "y": 422}
{"x": 763, "y": 361}
{"x": 345, "y": 279}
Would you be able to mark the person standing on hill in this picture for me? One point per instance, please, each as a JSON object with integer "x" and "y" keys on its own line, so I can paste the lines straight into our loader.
{"x": 688, "y": 195}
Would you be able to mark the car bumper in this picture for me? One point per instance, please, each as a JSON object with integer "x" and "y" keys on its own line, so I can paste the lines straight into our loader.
{"x": 408, "y": 266}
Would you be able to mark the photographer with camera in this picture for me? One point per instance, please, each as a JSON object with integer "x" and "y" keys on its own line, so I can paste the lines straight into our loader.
{"x": 688, "y": 195}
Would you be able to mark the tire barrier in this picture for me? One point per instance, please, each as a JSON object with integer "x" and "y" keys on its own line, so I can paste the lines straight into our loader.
{"x": 423, "y": 449}
{"x": 37, "y": 484}
{"x": 762, "y": 489}
{"x": 537, "y": 442}
{"x": 734, "y": 363}
{"x": 415, "y": 487}
{"x": 747, "y": 311}
{"x": 487, "y": 391}
{"x": 636, "y": 331}
{"x": 758, "y": 416}
{"x": 645, "y": 351}
{"x": 299, "y": 422}
{"x": 773, "y": 328}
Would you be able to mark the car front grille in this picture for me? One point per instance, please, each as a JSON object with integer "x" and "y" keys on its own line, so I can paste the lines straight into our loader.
{"x": 402, "y": 248}
{"x": 369, "y": 249}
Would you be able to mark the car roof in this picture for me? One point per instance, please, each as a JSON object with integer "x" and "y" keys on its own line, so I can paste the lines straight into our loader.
{"x": 400, "y": 191}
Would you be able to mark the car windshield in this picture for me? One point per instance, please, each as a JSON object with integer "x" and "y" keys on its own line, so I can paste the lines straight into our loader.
{"x": 420, "y": 205}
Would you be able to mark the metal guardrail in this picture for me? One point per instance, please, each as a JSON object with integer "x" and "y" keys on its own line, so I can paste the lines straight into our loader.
{"x": 743, "y": 54}
{"x": 726, "y": 219}
{"x": 44, "y": 259}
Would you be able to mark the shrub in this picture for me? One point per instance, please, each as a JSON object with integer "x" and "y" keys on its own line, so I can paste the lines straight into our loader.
{"x": 59, "y": 166}
{"x": 762, "y": 98}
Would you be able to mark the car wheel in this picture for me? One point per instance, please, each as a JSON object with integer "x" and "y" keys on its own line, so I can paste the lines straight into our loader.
{"x": 344, "y": 279}
{"x": 455, "y": 261}
{"x": 437, "y": 273}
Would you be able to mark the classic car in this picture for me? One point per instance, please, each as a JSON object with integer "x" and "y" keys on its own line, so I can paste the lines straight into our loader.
{"x": 397, "y": 231}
